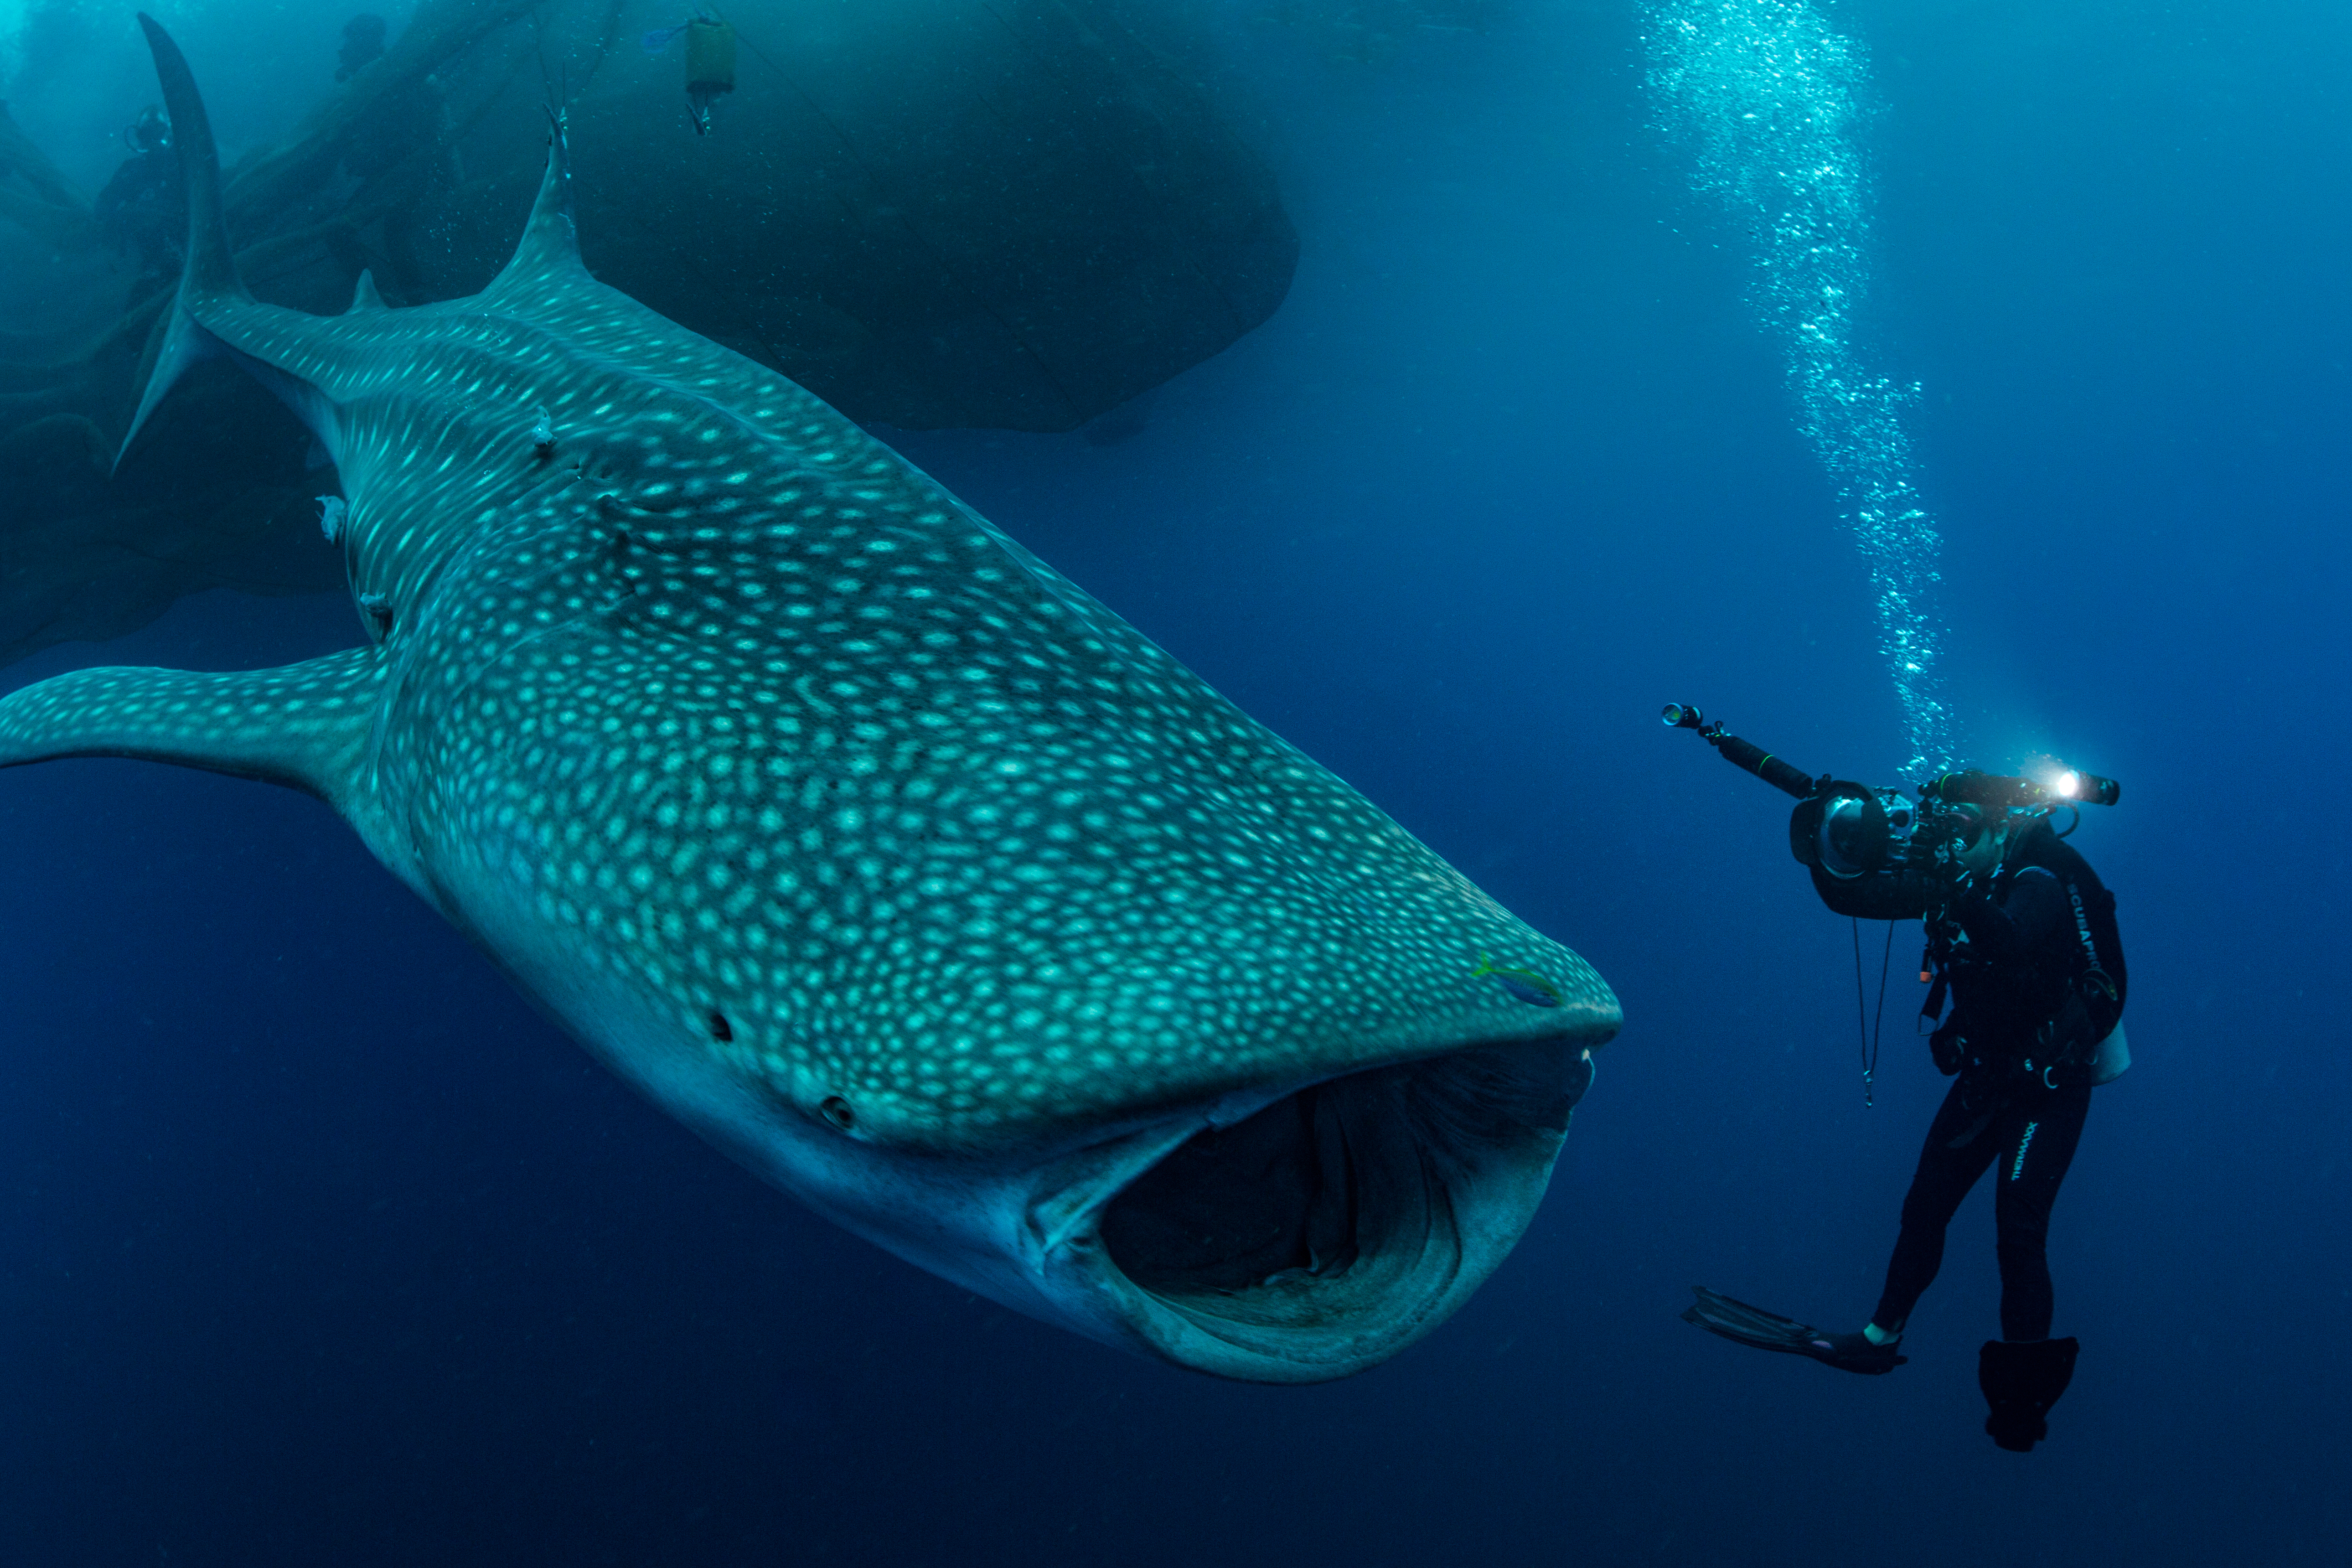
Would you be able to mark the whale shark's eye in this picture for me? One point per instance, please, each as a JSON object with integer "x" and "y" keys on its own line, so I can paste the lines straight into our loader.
{"x": 720, "y": 1030}
{"x": 836, "y": 1110}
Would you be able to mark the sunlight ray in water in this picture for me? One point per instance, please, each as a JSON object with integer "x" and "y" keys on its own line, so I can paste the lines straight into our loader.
{"x": 1768, "y": 101}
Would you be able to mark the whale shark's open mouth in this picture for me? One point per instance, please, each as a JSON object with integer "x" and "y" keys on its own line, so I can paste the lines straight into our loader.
{"x": 1320, "y": 1235}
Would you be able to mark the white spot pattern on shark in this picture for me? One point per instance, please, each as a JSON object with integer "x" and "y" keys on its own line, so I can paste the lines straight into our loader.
{"x": 860, "y": 839}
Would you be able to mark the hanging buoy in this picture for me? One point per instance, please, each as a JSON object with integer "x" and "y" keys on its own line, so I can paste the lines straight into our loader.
{"x": 709, "y": 68}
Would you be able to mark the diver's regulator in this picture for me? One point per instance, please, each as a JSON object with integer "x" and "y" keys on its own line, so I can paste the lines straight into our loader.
{"x": 1874, "y": 854}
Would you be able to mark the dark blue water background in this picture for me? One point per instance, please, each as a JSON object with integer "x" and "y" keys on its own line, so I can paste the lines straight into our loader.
{"x": 318, "y": 1245}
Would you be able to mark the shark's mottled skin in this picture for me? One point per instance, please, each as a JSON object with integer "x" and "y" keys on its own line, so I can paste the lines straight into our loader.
{"x": 858, "y": 837}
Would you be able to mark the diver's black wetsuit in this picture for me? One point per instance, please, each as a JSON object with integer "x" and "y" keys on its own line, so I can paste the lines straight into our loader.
{"x": 143, "y": 211}
{"x": 2036, "y": 971}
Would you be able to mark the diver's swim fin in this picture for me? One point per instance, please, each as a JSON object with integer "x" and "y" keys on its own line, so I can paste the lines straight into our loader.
{"x": 1720, "y": 1314}
{"x": 2021, "y": 1381}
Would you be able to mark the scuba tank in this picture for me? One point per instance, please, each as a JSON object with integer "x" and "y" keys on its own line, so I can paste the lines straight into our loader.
{"x": 710, "y": 66}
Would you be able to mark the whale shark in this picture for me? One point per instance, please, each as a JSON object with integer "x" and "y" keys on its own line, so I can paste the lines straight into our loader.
{"x": 857, "y": 839}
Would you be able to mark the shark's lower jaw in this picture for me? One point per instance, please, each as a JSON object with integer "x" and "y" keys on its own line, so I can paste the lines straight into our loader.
{"x": 1287, "y": 1231}
{"x": 1279, "y": 1236}
{"x": 1325, "y": 1232}
{"x": 1328, "y": 1231}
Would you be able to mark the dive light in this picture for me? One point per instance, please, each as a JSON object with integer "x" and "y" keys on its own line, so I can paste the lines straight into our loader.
{"x": 1742, "y": 755}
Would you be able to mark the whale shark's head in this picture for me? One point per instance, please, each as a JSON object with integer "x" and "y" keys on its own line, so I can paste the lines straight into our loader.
{"x": 1004, "y": 940}
{"x": 1273, "y": 1134}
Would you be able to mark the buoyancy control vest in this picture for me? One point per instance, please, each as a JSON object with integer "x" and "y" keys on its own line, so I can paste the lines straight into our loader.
{"x": 2033, "y": 963}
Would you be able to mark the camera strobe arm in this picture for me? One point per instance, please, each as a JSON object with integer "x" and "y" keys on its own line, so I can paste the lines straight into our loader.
{"x": 1745, "y": 755}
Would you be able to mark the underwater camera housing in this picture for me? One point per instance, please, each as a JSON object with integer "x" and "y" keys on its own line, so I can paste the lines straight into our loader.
{"x": 1876, "y": 856}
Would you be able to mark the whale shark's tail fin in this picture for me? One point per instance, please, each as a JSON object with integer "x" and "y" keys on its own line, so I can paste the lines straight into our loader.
{"x": 210, "y": 273}
{"x": 211, "y": 269}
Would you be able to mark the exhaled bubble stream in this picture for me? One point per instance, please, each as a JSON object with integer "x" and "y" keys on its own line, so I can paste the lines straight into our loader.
{"x": 1765, "y": 97}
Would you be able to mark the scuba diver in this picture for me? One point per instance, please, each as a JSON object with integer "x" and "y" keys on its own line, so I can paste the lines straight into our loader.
{"x": 2021, "y": 938}
{"x": 362, "y": 45}
{"x": 140, "y": 208}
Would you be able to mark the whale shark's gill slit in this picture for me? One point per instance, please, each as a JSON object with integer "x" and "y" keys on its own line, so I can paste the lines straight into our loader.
{"x": 1355, "y": 1200}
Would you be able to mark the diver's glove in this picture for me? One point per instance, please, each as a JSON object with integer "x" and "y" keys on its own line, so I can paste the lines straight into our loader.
{"x": 1950, "y": 1051}
{"x": 1968, "y": 905}
{"x": 2067, "y": 1043}
{"x": 2063, "y": 1045}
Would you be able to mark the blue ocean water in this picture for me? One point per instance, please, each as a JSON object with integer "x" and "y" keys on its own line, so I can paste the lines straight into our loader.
{"x": 321, "y": 1246}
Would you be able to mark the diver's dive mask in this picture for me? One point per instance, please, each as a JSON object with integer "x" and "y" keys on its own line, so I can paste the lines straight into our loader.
{"x": 1969, "y": 822}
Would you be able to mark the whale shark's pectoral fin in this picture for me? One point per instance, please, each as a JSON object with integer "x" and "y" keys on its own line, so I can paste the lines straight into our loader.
{"x": 305, "y": 726}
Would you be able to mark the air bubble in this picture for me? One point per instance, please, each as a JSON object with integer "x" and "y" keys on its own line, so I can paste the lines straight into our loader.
{"x": 1771, "y": 103}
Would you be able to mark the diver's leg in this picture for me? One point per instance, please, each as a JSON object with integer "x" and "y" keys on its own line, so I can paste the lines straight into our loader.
{"x": 2037, "y": 1140}
{"x": 2023, "y": 1372}
{"x": 1958, "y": 1147}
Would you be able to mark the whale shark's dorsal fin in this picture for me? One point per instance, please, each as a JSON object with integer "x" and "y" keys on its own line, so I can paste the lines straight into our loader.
{"x": 550, "y": 248}
{"x": 210, "y": 273}
{"x": 306, "y": 725}
{"x": 365, "y": 295}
